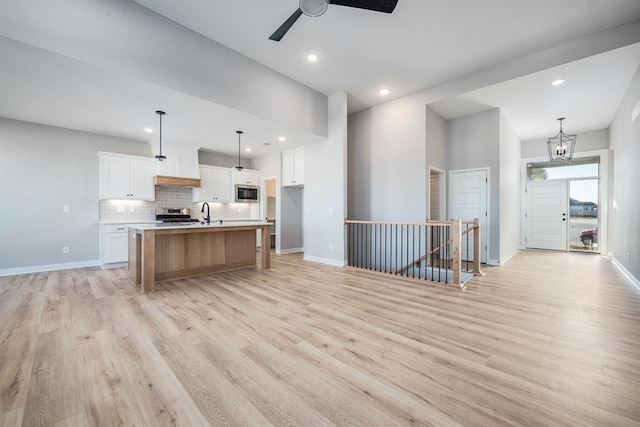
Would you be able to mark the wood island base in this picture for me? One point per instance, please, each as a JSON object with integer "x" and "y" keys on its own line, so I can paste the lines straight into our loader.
{"x": 158, "y": 254}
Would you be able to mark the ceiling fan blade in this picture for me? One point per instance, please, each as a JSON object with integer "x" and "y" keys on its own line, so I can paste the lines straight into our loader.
{"x": 280, "y": 32}
{"x": 386, "y": 6}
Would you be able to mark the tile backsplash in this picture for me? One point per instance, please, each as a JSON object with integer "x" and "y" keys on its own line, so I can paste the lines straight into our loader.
{"x": 173, "y": 197}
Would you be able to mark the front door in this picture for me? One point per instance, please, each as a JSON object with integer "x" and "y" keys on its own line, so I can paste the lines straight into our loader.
{"x": 468, "y": 200}
{"x": 547, "y": 215}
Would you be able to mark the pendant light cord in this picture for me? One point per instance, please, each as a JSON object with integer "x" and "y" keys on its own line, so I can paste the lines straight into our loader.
{"x": 239, "y": 132}
{"x": 160, "y": 157}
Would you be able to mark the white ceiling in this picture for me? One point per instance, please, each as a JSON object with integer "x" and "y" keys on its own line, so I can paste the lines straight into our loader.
{"x": 422, "y": 44}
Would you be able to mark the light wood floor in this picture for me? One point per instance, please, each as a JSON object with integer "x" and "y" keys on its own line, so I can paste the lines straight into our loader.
{"x": 548, "y": 339}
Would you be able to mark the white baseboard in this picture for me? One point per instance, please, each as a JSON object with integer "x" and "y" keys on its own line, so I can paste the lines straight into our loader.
{"x": 334, "y": 262}
{"x": 48, "y": 267}
{"x": 114, "y": 265}
{"x": 504, "y": 260}
{"x": 493, "y": 261}
{"x": 634, "y": 281}
{"x": 290, "y": 251}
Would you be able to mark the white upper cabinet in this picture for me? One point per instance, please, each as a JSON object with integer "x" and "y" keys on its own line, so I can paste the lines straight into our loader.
{"x": 181, "y": 160}
{"x": 293, "y": 167}
{"x": 245, "y": 177}
{"x": 215, "y": 185}
{"x": 126, "y": 177}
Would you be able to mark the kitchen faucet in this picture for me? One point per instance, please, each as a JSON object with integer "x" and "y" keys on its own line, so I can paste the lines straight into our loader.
{"x": 208, "y": 217}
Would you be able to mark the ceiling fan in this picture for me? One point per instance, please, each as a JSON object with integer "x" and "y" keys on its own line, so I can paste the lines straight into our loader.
{"x": 314, "y": 8}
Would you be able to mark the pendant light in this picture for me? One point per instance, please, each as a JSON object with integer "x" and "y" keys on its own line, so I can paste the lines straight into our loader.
{"x": 160, "y": 157}
{"x": 561, "y": 146}
{"x": 239, "y": 132}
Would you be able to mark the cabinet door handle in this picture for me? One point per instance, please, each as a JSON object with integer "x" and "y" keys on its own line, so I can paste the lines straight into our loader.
{"x": 120, "y": 228}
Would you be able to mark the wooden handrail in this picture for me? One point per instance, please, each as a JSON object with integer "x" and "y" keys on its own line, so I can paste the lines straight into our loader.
{"x": 432, "y": 223}
{"x": 428, "y": 222}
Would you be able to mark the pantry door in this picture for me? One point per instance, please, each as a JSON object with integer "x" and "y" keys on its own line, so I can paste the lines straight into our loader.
{"x": 547, "y": 215}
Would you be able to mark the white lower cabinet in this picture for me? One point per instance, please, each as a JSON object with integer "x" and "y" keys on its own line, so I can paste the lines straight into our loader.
{"x": 114, "y": 245}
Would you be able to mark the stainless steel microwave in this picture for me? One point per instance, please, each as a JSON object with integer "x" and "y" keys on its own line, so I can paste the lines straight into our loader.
{"x": 246, "y": 193}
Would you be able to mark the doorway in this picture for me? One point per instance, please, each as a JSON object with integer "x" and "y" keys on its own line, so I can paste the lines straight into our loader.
{"x": 547, "y": 215}
{"x": 562, "y": 205}
{"x": 468, "y": 199}
{"x": 437, "y": 195}
{"x": 269, "y": 205}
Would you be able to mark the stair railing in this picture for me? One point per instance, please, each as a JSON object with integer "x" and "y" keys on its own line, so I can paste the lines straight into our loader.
{"x": 433, "y": 250}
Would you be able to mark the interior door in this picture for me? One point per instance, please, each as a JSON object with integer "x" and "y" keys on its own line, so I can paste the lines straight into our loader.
{"x": 468, "y": 200}
{"x": 547, "y": 215}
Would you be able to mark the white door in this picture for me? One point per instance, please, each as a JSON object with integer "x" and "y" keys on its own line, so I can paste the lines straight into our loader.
{"x": 468, "y": 200}
{"x": 547, "y": 215}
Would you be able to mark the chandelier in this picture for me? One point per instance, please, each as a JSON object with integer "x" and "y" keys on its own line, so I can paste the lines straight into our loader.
{"x": 561, "y": 146}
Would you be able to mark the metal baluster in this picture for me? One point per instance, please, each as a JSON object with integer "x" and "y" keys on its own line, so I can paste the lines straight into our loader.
{"x": 349, "y": 245}
{"x": 419, "y": 250}
{"x": 380, "y": 247}
{"x": 360, "y": 246}
{"x": 432, "y": 253}
{"x": 413, "y": 250}
{"x": 401, "y": 245}
{"x": 385, "y": 248}
{"x": 440, "y": 253}
{"x": 446, "y": 277}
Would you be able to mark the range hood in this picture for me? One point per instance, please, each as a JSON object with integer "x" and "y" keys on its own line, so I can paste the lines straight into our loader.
{"x": 180, "y": 167}
{"x": 175, "y": 181}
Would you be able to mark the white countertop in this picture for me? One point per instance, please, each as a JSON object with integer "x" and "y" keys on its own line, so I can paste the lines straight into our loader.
{"x": 148, "y": 221}
{"x": 181, "y": 226}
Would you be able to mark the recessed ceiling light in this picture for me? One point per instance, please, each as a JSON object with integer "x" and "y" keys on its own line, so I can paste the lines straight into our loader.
{"x": 384, "y": 91}
{"x": 148, "y": 130}
{"x": 312, "y": 57}
{"x": 247, "y": 149}
{"x": 282, "y": 138}
{"x": 557, "y": 82}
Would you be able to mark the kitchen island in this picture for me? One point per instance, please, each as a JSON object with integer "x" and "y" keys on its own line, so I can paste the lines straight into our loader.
{"x": 160, "y": 252}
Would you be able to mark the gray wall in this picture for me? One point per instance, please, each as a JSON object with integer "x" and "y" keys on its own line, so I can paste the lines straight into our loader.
{"x": 325, "y": 187}
{"x": 214, "y": 159}
{"x": 587, "y": 141}
{"x": 291, "y": 219}
{"x": 510, "y": 188}
{"x": 436, "y": 137}
{"x": 473, "y": 142}
{"x": 624, "y": 139}
{"x": 43, "y": 168}
{"x": 386, "y": 162}
{"x": 206, "y": 69}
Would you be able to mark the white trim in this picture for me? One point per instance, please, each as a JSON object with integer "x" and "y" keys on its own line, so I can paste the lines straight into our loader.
{"x": 113, "y": 265}
{"x": 263, "y": 206}
{"x": 289, "y": 251}
{"x": 442, "y": 192}
{"x": 486, "y": 233}
{"x": 48, "y": 267}
{"x": 334, "y": 262}
{"x": 505, "y": 259}
{"x": 635, "y": 282}
{"x": 604, "y": 202}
